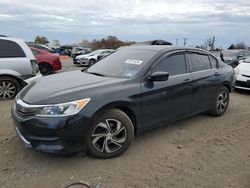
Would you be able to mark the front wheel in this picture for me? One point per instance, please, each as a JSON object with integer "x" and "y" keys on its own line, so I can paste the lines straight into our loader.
{"x": 111, "y": 135}
{"x": 9, "y": 87}
{"x": 91, "y": 62}
{"x": 221, "y": 102}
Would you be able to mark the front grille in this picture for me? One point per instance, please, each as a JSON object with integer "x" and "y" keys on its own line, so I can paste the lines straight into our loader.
{"x": 242, "y": 84}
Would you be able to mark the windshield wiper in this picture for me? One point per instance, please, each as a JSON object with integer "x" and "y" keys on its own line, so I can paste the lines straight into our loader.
{"x": 95, "y": 73}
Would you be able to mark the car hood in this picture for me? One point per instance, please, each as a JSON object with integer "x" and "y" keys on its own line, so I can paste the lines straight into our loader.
{"x": 85, "y": 56}
{"x": 244, "y": 68}
{"x": 66, "y": 87}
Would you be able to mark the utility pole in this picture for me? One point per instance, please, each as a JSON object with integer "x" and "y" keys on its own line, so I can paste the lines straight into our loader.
{"x": 176, "y": 42}
{"x": 185, "y": 41}
{"x": 213, "y": 42}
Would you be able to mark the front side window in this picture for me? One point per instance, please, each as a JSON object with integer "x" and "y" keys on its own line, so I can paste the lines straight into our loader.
{"x": 174, "y": 65}
{"x": 10, "y": 49}
{"x": 199, "y": 62}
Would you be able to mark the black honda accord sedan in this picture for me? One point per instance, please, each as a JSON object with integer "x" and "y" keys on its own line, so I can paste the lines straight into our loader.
{"x": 137, "y": 88}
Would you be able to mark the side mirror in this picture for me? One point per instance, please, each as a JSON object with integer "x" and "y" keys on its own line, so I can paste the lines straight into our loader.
{"x": 240, "y": 57}
{"x": 158, "y": 76}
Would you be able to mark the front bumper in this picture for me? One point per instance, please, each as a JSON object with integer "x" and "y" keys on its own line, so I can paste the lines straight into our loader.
{"x": 62, "y": 135}
{"x": 81, "y": 61}
{"x": 242, "y": 82}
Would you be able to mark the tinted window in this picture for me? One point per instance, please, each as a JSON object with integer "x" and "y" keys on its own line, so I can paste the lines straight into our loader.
{"x": 10, "y": 49}
{"x": 199, "y": 62}
{"x": 213, "y": 62}
{"x": 174, "y": 65}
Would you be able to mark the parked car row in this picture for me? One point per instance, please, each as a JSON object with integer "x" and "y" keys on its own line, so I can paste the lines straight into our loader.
{"x": 232, "y": 57}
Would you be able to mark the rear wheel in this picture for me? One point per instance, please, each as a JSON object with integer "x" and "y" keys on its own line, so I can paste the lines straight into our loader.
{"x": 221, "y": 102}
{"x": 45, "y": 68}
{"x": 9, "y": 87}
{"x": 111, "y": 135}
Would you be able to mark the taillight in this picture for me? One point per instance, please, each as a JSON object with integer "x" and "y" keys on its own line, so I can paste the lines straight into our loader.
{"x": 34, "y": 66}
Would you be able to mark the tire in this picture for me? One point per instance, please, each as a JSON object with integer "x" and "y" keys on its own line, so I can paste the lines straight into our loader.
{"x": 45, "y": 68}
{"x": 92, "y": 62}
{"x": 221, "y": 102}
{"x": 111, "y": 135}
{"x": 9, "y": 87}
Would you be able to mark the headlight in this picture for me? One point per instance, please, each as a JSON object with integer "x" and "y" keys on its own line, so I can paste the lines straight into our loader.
{"x": 64, "y": 109}
{"x": 237, "y": 70}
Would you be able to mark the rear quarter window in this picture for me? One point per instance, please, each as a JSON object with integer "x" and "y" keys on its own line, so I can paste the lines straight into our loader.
{"x": 199, "y": 62}
{"x": 213, "y": 61}
{"x": 10, "y": 49}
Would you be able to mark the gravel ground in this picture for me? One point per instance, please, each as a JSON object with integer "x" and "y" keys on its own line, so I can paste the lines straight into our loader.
{"x": 201, "y": 151}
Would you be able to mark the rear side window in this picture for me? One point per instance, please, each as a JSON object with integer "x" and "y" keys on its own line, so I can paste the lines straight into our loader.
{"x": 199, "y": 62}
{"x": 213, "y": 62}
{"x": 9, "y": 49}
{"x": 174, "y": 65}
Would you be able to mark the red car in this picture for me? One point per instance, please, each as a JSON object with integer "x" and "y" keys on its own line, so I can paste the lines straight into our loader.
{"x": 47, "y": 62}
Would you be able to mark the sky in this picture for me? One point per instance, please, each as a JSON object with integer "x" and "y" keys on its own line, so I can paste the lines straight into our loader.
{"x": 131, "y": 20}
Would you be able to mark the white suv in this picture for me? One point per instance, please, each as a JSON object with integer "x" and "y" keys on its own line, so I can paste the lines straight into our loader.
{"x": 17, "y": 66}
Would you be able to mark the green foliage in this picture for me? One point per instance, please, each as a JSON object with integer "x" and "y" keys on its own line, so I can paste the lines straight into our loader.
{"x": 41, "y": 40}
{"x": 240, "y": 45}
{"x": 111, "y": 42}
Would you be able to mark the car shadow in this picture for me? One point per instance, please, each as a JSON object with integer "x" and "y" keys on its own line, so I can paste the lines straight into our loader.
{"x": 242, "y": 91}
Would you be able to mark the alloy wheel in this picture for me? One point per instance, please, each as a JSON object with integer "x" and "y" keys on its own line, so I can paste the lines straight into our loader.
{"x": 109, "y": 136}
{"x": 7, "y": 89}
{"x": 222, "y": 101}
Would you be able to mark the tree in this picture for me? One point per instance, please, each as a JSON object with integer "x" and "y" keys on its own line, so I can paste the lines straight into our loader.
{"x": 85, "y": 43}
{"x": 110, "y": 42}
{"x": 41, "y": 40}
{"x": 239, "y": 45}
{"x": 231, "y": 47}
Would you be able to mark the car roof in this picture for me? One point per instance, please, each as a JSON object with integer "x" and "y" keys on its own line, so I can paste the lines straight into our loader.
{"x": 163, "y": 48}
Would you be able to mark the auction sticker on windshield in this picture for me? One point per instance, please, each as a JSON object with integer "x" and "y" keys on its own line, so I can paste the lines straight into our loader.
{"x": 134, "y": 61}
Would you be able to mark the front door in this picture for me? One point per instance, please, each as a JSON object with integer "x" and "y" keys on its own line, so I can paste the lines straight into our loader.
{"x": 167, "y": 100}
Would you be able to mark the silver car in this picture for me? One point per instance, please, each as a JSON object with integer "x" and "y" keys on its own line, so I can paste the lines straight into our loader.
{"x": 17, "y": 64}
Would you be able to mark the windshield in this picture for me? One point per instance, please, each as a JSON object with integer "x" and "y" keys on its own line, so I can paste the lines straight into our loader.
{"x": 124, "y": 63}
{"x": 95, "y": 52}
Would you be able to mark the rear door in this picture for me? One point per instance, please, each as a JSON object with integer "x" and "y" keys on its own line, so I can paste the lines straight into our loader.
{"x": 205, "y": 77}
{"x": 167, "y": 100}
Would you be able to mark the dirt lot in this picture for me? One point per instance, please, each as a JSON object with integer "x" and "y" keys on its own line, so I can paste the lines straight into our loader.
{"x": 201, "y": 151}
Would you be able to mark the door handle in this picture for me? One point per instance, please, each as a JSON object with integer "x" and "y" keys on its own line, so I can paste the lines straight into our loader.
{"x": 216, "y": 74}
{"x": 187, "y": 80}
